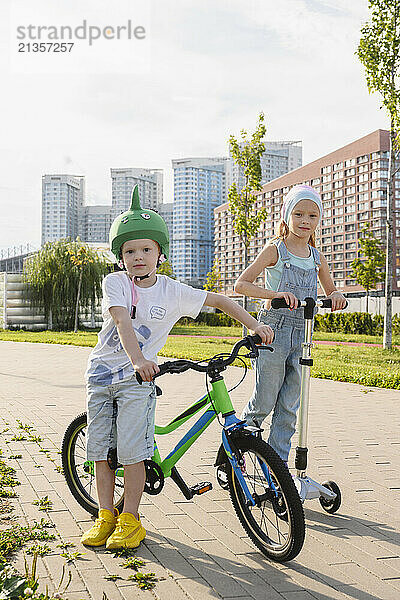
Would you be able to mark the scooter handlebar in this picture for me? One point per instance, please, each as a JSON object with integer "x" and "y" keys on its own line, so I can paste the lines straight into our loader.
{"x": 324, "y": 303}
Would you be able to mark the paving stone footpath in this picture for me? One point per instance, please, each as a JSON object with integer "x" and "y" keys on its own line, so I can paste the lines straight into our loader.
{"x": 198, "y": 549}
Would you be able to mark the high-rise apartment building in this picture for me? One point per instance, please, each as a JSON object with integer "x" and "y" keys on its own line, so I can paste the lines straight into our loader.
{"x": 199, "y": 187}
{"x": 62, "y": 198}
{"x": 149, "y": 182}
{"x": 94, "y": 223}
{"x": 352, "y": 182}
{"x": 279, "y": 158}
{"x": 166, "y": 210}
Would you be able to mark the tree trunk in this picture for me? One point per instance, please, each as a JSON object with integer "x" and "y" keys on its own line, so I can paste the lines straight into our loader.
{"x": 77, "y": 301}
{"x": 367, "y": 302}
{"x": 93, "y": 313}
{"x": 387, "y": 327}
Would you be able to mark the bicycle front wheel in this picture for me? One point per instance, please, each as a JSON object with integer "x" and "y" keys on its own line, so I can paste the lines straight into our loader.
{"x": 275, "y": 524}
{"x": 80, "y": 479}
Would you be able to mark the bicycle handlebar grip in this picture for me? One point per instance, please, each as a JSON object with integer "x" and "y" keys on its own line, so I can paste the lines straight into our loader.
{"x": 256, "y": 338}
{"x": 279, "y": 303}
{"x": 138, "y": 378}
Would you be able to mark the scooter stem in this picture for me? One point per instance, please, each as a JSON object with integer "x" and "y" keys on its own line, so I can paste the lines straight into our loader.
{"x": 306, "y": 363}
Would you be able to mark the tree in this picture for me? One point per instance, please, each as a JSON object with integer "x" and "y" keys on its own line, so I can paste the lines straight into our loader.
{"x": 379, "y": 52}
{"x": 166, "y": 269}
{"x": 81, "y": 257}
{"x": 214, "y": 279}
{"x": 246, "y": 218}
{"x": 369, "y": 269}
{"x": 62, "y": 277}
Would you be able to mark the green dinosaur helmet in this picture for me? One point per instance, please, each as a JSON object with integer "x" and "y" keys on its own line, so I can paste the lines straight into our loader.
{"x": 138, "y": 223}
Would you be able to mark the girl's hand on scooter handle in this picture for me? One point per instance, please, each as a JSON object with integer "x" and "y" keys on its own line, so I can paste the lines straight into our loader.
{"x": 338, "y": 301}
{"x": 290, "y": 299}
{"x": 266, "y": 333}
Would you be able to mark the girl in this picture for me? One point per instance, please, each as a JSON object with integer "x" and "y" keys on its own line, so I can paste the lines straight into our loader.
{"x": 292, "y": 265}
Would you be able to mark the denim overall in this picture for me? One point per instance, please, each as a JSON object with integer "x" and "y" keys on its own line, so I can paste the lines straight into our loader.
{"x": 278, "y": 373}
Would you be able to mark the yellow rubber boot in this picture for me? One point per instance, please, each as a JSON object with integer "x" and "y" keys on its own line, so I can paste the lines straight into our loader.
{"x": 103, "y": 527}
{"x": 128, "y": 533}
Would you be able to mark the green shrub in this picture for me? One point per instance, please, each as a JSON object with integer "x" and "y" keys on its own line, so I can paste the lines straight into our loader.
{"x": 337, "y": 322}
{"x": 356, "y": 323}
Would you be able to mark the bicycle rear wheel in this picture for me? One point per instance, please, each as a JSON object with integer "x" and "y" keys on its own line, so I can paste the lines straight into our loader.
{"x": 80, "y": 482}
{"x": 276, "y": 523}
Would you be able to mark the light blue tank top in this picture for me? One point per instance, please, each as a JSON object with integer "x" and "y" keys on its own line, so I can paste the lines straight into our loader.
{"x": 273, "y": 274}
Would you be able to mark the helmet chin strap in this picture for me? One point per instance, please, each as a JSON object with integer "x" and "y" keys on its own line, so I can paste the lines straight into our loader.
{"x": 141, "y": 277}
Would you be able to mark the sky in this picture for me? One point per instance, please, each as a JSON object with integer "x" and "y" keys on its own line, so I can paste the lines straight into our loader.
{"x": 204, "y": 71}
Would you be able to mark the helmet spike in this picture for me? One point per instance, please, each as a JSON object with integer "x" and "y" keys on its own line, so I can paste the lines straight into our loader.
{"x": 135, "y": 201}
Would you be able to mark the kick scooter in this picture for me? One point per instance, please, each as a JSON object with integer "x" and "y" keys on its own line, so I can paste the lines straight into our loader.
{"x": 328, "y": 492}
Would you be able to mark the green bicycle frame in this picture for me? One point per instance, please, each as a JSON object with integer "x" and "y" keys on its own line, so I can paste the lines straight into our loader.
{"x": 216, "y": 402}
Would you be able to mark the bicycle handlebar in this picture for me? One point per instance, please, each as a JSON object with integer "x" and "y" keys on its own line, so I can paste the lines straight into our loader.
{"x": 179, "y": 366}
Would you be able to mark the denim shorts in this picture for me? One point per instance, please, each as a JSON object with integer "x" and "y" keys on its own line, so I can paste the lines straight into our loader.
{"x": 121, "y": 415}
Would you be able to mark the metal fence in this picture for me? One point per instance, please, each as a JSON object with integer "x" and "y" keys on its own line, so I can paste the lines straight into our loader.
{"x": 16, "y": 311}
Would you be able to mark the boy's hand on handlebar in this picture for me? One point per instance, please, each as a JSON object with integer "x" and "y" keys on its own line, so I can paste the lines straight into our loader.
{"x": 266, "y": 333}
{"x": 338, "y": 301}
{"x": 146, "y": 369}
{"x": 291, "y": 299}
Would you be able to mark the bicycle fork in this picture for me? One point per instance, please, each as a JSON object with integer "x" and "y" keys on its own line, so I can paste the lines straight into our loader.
{"x": 232, "y": 424}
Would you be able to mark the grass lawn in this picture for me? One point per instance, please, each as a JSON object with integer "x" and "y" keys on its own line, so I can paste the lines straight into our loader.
{"x": 318, "y": 335}
{"x": 364, "y": 365}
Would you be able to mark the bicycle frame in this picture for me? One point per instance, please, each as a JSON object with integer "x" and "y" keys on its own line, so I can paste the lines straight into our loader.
{"x": 217, "y": 401}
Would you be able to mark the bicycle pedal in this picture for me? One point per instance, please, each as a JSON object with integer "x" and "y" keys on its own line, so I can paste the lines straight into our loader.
{"x": 201, "y": 488}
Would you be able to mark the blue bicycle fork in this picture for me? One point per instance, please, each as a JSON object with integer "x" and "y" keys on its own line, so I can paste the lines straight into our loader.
{"x": 232, "y": 423}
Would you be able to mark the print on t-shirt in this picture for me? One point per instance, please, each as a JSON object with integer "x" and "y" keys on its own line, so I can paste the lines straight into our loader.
{"x": 157, "y": 312}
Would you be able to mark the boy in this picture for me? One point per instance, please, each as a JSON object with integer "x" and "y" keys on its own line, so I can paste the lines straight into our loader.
{"x": 139, "y": 309}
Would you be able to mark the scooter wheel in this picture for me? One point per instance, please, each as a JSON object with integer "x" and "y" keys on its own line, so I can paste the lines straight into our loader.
{"x": 331, "y": 506}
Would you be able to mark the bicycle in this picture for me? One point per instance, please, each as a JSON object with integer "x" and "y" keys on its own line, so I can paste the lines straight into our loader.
{"x": 261, "y": 488}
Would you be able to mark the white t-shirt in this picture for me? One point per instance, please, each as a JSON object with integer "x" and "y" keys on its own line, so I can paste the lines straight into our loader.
{"x": 158, "y": 308}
